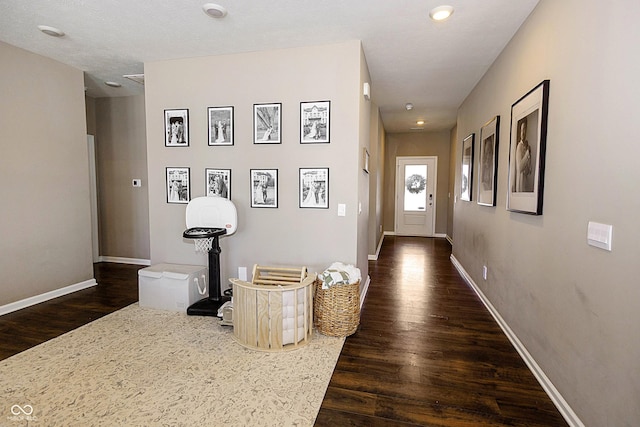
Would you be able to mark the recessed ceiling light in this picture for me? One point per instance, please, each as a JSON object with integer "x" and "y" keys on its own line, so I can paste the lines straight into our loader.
{"x": 51, "y": 31}
{"x": 441, "y": 13}
{"x": 113, "y": 84}
{"x": 409, "y": 106}
{"x": 214, "y": 10}
{"x": 420, "y": 122}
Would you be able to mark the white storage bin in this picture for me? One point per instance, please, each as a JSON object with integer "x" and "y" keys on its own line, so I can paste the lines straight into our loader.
{"x": 172, "y": 287}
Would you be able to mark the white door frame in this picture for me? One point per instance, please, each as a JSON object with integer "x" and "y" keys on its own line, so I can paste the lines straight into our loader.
{"x": 93, "y": 197}
{"x": 397, "y": 208}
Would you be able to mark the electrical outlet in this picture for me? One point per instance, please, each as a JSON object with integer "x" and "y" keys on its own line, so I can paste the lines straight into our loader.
{"x": 484, "y": 272}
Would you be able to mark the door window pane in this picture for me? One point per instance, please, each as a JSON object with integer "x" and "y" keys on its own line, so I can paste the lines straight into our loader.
{"x": 415, "y": 188}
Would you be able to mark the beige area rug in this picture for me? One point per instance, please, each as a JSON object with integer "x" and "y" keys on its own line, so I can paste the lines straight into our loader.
{"x": 144, "y": 367}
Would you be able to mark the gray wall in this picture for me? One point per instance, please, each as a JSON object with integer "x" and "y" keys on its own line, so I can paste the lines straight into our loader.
{"x": 45, "y": 220}
{"x": 417, "y": 144}
{"x": 121, "y": 148}
{"x": 575, "y": 308}
{"x": 287, "y": 235}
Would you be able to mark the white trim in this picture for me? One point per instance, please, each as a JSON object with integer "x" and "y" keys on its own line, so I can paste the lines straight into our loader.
{"x": 569, "y": 415}
{"x": 389, "y": 233}
{"x": 37, "y": 299}
{"x": 443, "y": 235}
{"x": 120, "y": 260}
{"x": 449, "y": 239}
{"x": 375, "y": 256}
{"x": 363, "y": 292}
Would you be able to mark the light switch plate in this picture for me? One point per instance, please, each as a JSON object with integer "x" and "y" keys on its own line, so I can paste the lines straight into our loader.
{"x": 599, "y": 235}
{"x": 342, "y": 209}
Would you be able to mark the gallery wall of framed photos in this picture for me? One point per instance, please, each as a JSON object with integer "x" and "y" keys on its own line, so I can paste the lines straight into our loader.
{"x": 261, "y": 122}
{"x": 314, "y": 126}
{"x": 527, "y": 151}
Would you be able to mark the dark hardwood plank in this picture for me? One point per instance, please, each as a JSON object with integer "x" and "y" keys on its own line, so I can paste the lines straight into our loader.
{"x": 117, "y": 288}
{"x": 427, "y": 352}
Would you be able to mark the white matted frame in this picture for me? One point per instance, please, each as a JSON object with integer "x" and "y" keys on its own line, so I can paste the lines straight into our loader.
{"x": 218, "y": 182}
{"x": 466, "y": 183}
{"x": 178, "y": 185}
{"x": 315, "y": 122}
{"x": 220, "y": 125}
{"x": 176, "y": 128}
{"x": 267, "y": 123}
{"x": 488, "y": 163}
{"x": 527, "y": 151}
{"x": 314, "y": 188}
{"x": 264, "y": 188}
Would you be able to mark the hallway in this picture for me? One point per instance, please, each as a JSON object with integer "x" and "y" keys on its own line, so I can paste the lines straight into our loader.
{"x": 428, "y": 352}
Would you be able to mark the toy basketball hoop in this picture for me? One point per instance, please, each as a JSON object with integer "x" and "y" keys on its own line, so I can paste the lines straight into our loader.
{"x": 203, "y": 246}
{"x": 207, "y": 219}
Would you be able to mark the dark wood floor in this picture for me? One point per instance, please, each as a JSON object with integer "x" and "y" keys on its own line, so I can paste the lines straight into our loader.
{"x": 428, "y": 352}
{"x": 26, "y": 328}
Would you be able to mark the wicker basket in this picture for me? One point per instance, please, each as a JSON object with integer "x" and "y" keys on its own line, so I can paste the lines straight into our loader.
{"x": 336, "y": 311}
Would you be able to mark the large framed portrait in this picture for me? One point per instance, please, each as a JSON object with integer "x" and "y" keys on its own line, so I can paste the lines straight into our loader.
{"x": 267, "y": 123}
{"x": 315, "y": 121}
{"x": 264, "y": 188}
{"x": 178, "y": 185}
{"x": 220, "y": 125}
{"x": 488, "y": 163}
{"x": 176, "y": 128}
{"x": 218, "y": 182}
{"x": 527, "y": 151}
{"x": 466, "y": 184}
{"x": 314, "y": 188}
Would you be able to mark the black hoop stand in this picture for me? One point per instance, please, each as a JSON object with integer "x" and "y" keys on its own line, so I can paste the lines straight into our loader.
{"x": 209, "y": 306}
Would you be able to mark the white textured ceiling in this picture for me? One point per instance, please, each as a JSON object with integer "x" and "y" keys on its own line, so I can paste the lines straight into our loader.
{"x": 410, "y": 58}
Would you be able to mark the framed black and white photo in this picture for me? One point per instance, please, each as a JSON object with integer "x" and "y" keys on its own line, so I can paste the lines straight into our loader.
{"x": 176, "y": 128}
{"x": 267, "y": 123}
{"x": 314, "y": 188}
{"x": 218, "y": 182}
{"x": 488, "y": 164}
{"x": 315, "y": 122}
{"x": 220, "y": 125}
{"x": 264, "y": 188}
{"x": 178, "y": 185}
{"x": 466, "y": 185}
{"x": 527, "y": 151}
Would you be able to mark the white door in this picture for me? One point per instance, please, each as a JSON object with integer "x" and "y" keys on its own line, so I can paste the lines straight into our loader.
{"x": 415, "y": 195}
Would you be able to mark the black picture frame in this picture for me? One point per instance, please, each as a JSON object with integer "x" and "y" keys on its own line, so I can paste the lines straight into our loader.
{"x": 315, "y": 122}
{"x": 178, "y": 181}
{"x": 527, "y": 151}
{"x": 267, "y": 123}
{"x": 264, "y": 188}
{"x": 488, "y": 162}
{"x": 176, "y": 127}
{"x": 313, "y": 188}
{"x": 221, "y": 126}
{"x": 466, "y": 183}
{"x": 217, "y": 183}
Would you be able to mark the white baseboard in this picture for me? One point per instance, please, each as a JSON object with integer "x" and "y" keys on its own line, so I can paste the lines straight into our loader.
{"x": 363, "y": 293}
{"x": 120, "y": 260}
{"x": 449, "y": 239}
{"x": 374, "y": 257}
{"x": 37, "y": 299}
{"x": 569, "y": 415}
